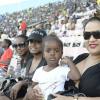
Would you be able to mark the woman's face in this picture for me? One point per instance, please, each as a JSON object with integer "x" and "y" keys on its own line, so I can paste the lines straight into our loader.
{"x": 20, "y": 46}
{"x": 35, "y": 47}
{"x": 93, "y": 43}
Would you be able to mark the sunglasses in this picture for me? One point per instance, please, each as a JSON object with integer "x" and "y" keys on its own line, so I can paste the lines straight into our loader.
{"x": 21, "y": 45}
{"x": 95, "y": 34}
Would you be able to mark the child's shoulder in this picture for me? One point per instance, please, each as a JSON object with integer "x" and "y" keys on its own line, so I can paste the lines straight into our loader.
{"x": 63, "y": 67}
{"x": 40, "y": 68}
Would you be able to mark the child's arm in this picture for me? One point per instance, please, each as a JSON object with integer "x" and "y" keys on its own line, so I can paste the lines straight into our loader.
{"x": 74, "y": 73}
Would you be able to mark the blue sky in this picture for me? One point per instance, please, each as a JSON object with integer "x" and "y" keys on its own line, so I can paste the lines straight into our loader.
{"x": 17, "y": 5}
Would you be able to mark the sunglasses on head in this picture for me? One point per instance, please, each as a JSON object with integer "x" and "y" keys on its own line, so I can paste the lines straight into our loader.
{"x": 95, "y": 34}
{"x": 20, "y": 45}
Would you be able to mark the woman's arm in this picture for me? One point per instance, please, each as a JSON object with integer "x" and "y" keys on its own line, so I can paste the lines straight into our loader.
{"x": 34, "y": 84}
{"x": 15, "y": 89}
{"x": 60, "y": 97}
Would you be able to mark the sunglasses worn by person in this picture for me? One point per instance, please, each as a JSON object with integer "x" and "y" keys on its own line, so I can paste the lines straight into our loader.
{"x": 21, "y": 45}
{"x": 95, "y": 34}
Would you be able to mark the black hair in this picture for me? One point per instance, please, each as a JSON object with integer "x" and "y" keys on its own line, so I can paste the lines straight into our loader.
{"x": 23, "y": 37}
{"x": 8, "y": 42}
{"x": 90, "y": 20}
{"x": 52, "y": 37}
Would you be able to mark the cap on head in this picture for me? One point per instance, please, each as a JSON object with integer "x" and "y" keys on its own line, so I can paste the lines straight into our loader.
{"x": 37, "y": 35}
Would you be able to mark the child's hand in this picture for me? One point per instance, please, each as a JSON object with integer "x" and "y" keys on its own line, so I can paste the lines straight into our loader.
{"x": 65, "y": 60}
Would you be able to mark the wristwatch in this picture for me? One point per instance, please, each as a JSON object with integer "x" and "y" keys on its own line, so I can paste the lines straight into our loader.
{"x": 75, "y": 97}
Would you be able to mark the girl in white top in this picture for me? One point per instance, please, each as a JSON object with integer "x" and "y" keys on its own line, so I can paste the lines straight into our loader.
{"x": 51, "y": 78}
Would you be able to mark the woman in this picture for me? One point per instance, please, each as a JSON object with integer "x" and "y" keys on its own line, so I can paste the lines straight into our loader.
{"x": 35, "y": 48}
{"x": 88, "y": 65}
{"x": 22, "y": 55}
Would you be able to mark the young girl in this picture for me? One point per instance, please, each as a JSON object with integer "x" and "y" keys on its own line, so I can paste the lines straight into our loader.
{"x": 51, "y": 78}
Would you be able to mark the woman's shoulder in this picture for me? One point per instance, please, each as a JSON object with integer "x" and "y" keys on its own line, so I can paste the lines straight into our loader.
{"x": 43, "y": 62}
{"x": 80, "y": 58}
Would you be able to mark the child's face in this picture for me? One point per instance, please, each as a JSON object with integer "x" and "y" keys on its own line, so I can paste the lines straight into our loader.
{"x": 52, "y": 52}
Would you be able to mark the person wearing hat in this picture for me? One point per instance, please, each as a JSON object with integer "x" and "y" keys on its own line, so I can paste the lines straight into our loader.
{"x": 35, "y": 47}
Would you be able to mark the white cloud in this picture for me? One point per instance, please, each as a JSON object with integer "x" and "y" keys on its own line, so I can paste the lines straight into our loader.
{"x": 8, "y": 2}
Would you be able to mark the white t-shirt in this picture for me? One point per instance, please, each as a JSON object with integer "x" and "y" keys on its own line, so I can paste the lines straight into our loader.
{"x": 52, "y": 81}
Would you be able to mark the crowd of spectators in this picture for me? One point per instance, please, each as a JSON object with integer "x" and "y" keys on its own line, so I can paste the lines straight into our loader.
{"x": 50, "y": 13}
{"x": 10, "y": 22}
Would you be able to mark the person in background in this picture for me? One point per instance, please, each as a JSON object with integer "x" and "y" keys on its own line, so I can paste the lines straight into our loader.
{"x": 40, "y": 27}
{"x": 7, "y": 55}
{"x": 22, "y": 27}
{"x": 48, "y": 28}
{"x": 1, "y": 49}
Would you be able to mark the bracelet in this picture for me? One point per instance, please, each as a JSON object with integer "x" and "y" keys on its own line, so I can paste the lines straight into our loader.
{"x": 75, "y": 97}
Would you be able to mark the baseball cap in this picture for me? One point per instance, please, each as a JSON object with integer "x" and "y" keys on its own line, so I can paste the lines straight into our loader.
{"x": 37, "y": 35}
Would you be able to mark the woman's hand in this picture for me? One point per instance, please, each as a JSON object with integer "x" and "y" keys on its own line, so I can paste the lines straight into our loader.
{"x": 38, "y": 93}
{"x": 15, "y": 89}
{"x": 30, "y": 94}
{"x": 60, "y": 97}
{"x": 34, "y": 94}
